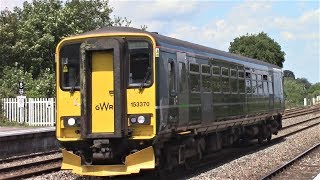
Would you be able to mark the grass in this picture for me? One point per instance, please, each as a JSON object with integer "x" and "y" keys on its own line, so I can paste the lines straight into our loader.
{"x": 5, "y": 122}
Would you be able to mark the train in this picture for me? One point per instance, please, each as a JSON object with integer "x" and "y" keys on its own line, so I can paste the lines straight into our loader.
{"x": 130, "y": 100}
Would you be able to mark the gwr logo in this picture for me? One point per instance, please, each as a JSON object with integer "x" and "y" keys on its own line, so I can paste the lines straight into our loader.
{"x": 104, "y": 106}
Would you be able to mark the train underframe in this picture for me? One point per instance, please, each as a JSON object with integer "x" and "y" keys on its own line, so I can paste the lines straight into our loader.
{"x": 109, "y": 157}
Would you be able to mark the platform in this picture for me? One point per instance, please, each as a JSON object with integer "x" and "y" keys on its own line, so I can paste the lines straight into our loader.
{"x": 20, "y": 141}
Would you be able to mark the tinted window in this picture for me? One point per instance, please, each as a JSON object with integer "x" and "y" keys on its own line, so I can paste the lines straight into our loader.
{"x": 70, "y": 66}
{"x": 140, "y": 63}
{"x": 182, "y": 76}
{"x": 216, "y": 70}
{"x": 225, "y": 84}
{"x": 225, "y": 71}
{"x": 194, "y": 68}
{"x": 216, "y": 85}
{"x": 205, "y": 69}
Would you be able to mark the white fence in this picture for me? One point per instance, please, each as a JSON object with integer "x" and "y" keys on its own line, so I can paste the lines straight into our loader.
{"x": 32, "y": 111}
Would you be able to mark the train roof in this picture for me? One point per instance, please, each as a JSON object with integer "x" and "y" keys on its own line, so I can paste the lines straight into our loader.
{"x": 162, "y": 40}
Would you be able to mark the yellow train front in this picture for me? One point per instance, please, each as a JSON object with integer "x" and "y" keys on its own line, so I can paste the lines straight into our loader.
{"x": 129, "y": 100}
{"x": 106, "y": 102}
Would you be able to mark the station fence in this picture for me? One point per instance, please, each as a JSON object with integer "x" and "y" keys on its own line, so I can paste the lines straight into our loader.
{"x": 31, "y": 111}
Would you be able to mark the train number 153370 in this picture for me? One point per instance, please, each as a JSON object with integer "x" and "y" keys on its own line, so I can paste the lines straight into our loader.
{"x": 140, "y": 104}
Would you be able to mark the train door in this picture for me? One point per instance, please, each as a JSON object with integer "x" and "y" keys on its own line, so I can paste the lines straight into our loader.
{"x": 102, "y": 71}
{"x": 103, "y": 88}
{"x": 183, "y": 93}
{"x": 173, "y": 116}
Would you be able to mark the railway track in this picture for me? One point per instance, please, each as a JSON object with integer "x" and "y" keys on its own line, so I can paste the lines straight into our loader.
{"x": 54, "y": 164}
{"x": 300, "y": 111}
{"x": 229, "y": 154}
{"x": 293, "y": 173}
{"x": 16, "y": 158}
{"x": 30, "y": 169}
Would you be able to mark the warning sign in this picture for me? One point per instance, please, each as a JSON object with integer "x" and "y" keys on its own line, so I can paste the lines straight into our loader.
{"x": 65, "y": 68}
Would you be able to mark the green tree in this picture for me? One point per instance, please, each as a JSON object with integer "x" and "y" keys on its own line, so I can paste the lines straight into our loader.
{"x": 294, "y": 92}
{"x": 314, "y": 90}
{"x": 30, "y": 34}
{"x": 289, "y": 74}
{"x": 259, "y": 46}
{"x": 305, "y": 82}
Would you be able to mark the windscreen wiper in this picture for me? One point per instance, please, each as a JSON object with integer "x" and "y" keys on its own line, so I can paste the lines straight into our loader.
{"x": 145, "y": 78}
{"x": 74, "y": 85}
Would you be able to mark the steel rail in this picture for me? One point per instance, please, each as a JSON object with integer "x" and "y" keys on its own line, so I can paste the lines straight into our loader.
{"x": 299, "y": 123}
{"x": 25, "y": 170}
{"x": 15, "y": 158}
{"x": 287, "y": 164}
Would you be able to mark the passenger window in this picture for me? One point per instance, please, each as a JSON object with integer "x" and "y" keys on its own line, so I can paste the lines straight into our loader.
{"x": 259, "y": 77}
{"x": 216, "y": 85}
{"x": 270, "y": 88}
{"x": 206, "y": 83}
{"x": 225, "y": 84}
{"x": 233, "y": 73}
{"x": 225, "y": 71}
{"x": 171, "y": 77}
{"x": 254, "y": 87}
{"x": 194, "y": 77}
{"x": 241, "y": 86}
{"x": 254, "y": 76}
{"x": 216, "y": 70}
{"x": 241, "y": 74}
{"x": 248, "y": 87}
{"x": 265, "y": 87}
{"x": 194, "y": 68}
{"x": 260, "y": 89}
{"x": 139, "y": 63}
{"x": 205, "y": 69}
{"x": 248, "y": 75}
{"x": 234, "y": 85}
{"x": 182, "y": 76}
{"x": 265, "y": 77}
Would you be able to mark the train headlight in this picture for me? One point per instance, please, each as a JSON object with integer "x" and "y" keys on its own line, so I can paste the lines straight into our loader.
{"x": 71, "y": 121}
{"x": 133, "y": 120}
{"x": 139, "y": 119}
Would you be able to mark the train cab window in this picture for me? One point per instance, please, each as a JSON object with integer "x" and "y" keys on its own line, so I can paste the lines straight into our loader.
{"x": 70, "y": 67}
{"x": 216, "y": 70}
{"x": 139, "y": 63}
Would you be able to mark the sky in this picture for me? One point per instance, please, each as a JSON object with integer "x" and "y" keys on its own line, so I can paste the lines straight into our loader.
{"x": 295, "y": 25}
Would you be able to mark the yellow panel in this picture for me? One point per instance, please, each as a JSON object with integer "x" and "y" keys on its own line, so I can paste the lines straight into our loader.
{"x": 102, "y": 92}
{"x": 143, "y": 159}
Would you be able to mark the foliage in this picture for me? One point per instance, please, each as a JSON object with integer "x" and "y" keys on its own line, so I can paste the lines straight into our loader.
{"x": 40, "y": 87}
{"x": 314, "y": 90}
{"x": 289, "y": 74}
{"x": 305, "y": 82}
{"x": 30, "y": 34}
{"x": 294, "y": 93}
{"x": 259, "y": 46}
